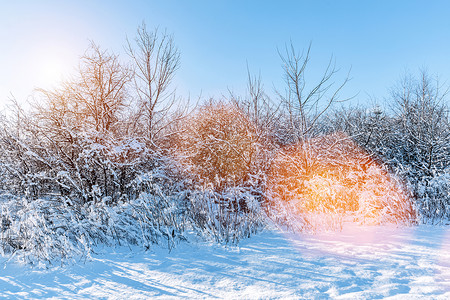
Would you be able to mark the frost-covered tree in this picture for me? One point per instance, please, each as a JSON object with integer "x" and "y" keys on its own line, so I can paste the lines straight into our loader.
{"x": 423, "y": 128}
{"x": 412, "y": 139}
{"x": 421, "y": 146}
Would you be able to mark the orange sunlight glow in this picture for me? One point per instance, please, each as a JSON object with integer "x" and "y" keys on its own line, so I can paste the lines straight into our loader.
{"x": 331, "y": 175}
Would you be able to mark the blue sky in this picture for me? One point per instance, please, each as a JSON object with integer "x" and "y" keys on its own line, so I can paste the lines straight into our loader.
{"x": 378, "y": 40}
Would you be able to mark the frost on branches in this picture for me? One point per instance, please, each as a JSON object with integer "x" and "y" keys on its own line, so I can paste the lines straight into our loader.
{"x": 112, "y": 157}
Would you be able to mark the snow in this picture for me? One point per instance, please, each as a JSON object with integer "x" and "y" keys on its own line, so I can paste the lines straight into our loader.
{"x": 359, "y": 262}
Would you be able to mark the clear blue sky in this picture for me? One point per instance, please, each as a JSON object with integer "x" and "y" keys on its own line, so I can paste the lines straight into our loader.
{"x": 378, "y": 40}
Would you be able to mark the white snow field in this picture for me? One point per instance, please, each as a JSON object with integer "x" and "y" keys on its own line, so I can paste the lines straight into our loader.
{"x": 357, "y": 263}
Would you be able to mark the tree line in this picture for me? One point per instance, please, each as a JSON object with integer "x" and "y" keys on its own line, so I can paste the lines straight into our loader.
{"x": 114, "y": 155}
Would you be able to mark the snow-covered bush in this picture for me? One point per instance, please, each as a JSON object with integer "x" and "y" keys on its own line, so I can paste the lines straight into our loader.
{"x": 332, "y": 177}
{"x": 219, "y": 145}
{"x": 227, "y": 216}
{"x": 59, "y": 229}
{"x": 61, "y": 198}
{"x": 86, "y": 167}
{"x": 223, "y": 161}
{"x": 433, "y": 196}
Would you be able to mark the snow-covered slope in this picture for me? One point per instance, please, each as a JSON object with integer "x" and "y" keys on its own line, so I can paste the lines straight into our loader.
{"x": 359, "y": 262}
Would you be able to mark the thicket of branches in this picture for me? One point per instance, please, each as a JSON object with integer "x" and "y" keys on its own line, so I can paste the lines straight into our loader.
{"x": 113, "y": 157}
{"x": 412, "y": 138}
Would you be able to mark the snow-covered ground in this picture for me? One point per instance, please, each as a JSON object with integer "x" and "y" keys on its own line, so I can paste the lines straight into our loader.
{"x": 359, "y": 262}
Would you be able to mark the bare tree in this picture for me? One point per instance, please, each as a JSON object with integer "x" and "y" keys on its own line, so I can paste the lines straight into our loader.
{"x": 258, "y": 106}
{"x": 92, "y": 100}
{"x": 156, "y": 59}
{"x": 305, "y": 102}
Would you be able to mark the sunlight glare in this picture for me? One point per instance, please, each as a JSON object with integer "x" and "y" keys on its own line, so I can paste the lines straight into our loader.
{"x": 332, "y": 176}
{"x": 50, "y": 71}
{"x": 51, "y": 63}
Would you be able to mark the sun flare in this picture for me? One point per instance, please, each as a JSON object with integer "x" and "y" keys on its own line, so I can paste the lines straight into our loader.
{"x": 51, "y": 64}
{"x": 50, "y": 71}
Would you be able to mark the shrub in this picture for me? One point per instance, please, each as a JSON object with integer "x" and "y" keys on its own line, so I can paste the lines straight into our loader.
{"x": 59, "y": 229}
{"x": 433, "y": 196}
{"x": 331, "y": 176}
{"x": 219, "y": 145}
